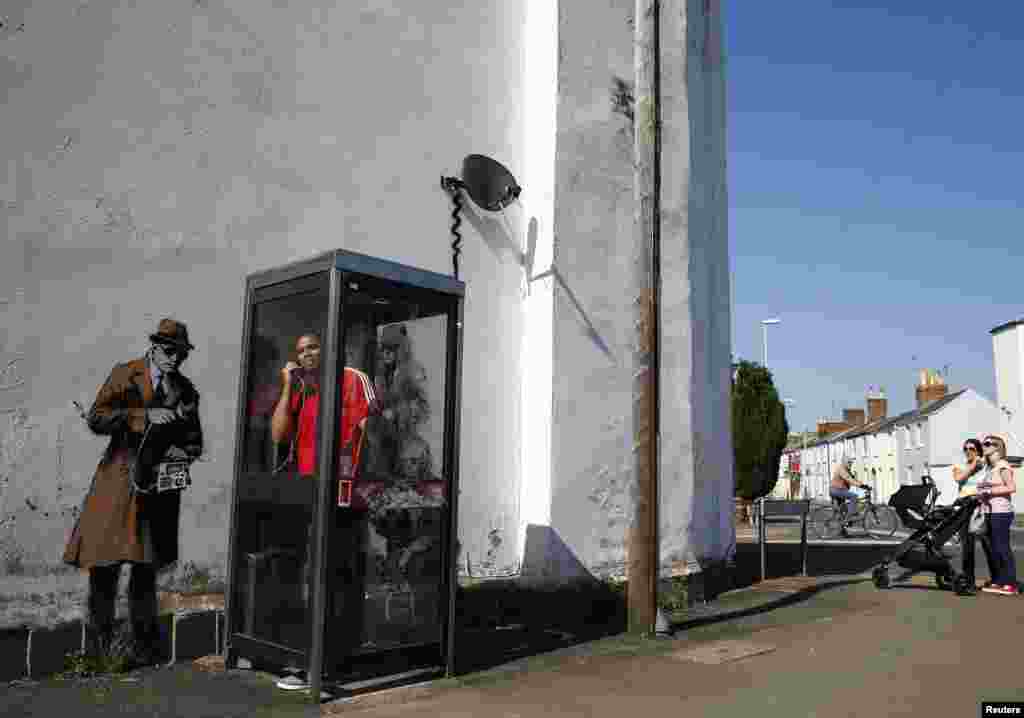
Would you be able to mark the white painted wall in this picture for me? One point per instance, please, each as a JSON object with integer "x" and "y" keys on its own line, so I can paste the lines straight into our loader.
{"x": 165, "y": 150}
{"x": 969, "y": 415}
{"x": 1008, "y": 358}
{"x": 813, "y": 465}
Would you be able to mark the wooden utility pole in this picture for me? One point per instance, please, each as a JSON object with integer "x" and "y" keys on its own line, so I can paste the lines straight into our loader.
{"x": 643, "y": 560}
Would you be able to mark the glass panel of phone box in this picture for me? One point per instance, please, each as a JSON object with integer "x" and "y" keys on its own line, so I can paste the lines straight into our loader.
{"x": 276, "y": 508}
{"x": 385, "y": 553}
{"x": 385, "y": 561}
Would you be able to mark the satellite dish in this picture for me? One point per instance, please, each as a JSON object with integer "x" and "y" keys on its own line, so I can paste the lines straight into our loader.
{"x": 488, "y": 183}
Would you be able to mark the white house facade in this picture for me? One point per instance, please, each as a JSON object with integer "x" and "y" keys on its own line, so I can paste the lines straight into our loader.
{"x": 889, "y": 453}
{"x": 1007, "y": 355}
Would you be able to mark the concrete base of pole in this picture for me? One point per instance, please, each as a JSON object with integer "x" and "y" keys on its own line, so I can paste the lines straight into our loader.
{"x": 661, "y": 627}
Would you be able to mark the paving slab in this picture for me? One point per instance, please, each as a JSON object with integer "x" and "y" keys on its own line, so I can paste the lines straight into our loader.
{"x": 718, "y": 652}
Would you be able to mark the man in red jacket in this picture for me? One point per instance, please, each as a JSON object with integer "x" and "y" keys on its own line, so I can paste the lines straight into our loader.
{"x": 295, "y": 416}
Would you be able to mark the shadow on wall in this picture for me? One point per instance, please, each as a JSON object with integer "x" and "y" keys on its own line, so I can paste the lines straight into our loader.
{"x": 555, "y": 602}
{"x": 499, "y": 239}
{"x": 547, "y": 560}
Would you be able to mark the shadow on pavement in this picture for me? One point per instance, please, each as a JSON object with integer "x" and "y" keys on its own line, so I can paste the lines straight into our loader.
{"x": 834, "y": 565}
{"x": 172, "y": 691}
{"x": 822, "y": 560}
{"x": 483, "y": 647}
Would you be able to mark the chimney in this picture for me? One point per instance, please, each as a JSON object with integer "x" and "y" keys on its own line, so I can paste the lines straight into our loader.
{"x": 878, "y": 405}
{"x": 827, "y": 428}
{"x": 932, "y": 388}
{"x": 853, "y": 417}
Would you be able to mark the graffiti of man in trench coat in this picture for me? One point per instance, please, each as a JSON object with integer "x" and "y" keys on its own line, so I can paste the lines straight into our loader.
{"x": 143, "y": 397}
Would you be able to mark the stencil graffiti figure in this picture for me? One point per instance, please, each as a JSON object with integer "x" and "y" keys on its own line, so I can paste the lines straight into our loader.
{"x": 146, "y": 397}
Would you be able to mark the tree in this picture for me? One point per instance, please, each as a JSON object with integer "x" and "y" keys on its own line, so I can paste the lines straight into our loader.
{"x": 759, "y": 430}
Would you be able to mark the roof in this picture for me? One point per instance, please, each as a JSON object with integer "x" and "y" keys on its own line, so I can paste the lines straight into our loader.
{"x": 1008, "y": 325}
{"x": 907, "y": 417}
{"x": 932, "y": 407}
{"x": 869, "y": 428}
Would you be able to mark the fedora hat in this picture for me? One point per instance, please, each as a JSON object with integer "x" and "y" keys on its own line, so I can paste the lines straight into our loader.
{"x": 393, "y": 334}
{"x": 171, "y": 331}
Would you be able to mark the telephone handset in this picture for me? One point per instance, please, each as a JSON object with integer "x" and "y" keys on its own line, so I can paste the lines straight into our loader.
{"x": 305, "y": 377}
{"x": 300, "y": 379}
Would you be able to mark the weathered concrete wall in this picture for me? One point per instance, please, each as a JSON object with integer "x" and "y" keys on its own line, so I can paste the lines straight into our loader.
{"x": 594, "y": 210}
{"x": 696, "y": 353}
{"x": 154, "y": 154}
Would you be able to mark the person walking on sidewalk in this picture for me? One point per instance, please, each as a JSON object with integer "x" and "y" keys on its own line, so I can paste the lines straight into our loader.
{"x": 146, "y": 397}
{"x": 967, "y": 479}
{"x": 996, "y": 487}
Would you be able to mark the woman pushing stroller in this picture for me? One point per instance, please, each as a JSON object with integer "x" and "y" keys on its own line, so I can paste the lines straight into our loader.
{"x": 967, "y": 479}
{"x": 986, "y": 485}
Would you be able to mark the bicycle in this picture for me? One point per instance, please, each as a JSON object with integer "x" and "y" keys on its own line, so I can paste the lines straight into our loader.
{"x": 829, "y": 522}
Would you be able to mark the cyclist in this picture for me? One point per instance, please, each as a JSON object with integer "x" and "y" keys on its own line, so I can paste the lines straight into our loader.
{"x": 842, "y": 479}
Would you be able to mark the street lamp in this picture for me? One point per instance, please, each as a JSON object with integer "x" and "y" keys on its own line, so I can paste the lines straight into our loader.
{"x": 764, "y": 326}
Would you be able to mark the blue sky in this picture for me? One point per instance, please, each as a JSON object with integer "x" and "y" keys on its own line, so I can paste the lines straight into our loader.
{"x": 875, "y": 170}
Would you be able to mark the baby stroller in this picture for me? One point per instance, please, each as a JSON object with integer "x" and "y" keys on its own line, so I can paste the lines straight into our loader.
{"x": 932, "y": 527}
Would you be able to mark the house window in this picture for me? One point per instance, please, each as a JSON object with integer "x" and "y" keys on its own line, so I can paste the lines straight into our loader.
{"x": 920, "y": 434}
{"x": 910, "y": 474}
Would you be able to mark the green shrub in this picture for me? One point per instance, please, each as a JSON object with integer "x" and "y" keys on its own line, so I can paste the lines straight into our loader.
{"x": 759, "y": 431}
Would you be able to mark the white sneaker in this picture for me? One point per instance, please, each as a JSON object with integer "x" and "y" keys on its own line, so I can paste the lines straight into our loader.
{"x": 293, "y": 683}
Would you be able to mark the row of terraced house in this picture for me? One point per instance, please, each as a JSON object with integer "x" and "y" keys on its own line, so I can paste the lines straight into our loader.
{"x": 890, "y": 451}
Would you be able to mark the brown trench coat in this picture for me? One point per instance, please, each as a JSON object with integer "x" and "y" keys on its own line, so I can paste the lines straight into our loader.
{"x": 117, "y": 524}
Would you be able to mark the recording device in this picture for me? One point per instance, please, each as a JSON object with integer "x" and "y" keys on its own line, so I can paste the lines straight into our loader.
{"x": 166, "y": 475}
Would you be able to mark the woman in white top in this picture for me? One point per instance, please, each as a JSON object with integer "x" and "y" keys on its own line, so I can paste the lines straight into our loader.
{"x": 995, "y": 488}
{"x": 967, "y": 478}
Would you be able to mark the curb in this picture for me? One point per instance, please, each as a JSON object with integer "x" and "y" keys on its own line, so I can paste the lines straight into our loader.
{"x": 387, "y": 697}
{"x": 36, "y": 653}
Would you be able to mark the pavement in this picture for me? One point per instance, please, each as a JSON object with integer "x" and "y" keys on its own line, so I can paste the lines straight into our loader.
{"x": 825, "y": 644}
{"x": 848, "y": 650}
{"x": 190, "y": 690}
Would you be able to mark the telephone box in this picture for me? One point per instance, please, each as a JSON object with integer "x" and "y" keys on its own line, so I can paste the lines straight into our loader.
{"x": 343, "y": 529}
